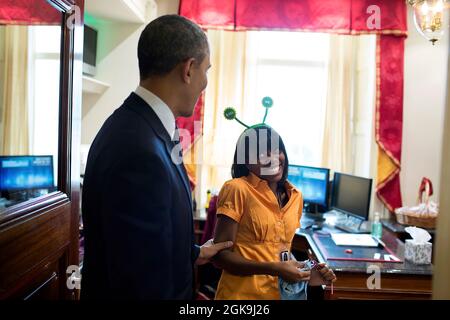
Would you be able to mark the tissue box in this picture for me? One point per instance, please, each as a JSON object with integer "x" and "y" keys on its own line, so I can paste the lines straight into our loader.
{"x": 418, "y": 253}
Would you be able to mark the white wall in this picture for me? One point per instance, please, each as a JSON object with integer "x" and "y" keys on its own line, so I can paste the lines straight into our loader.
{"x": 424, "y": 105}
{"x": 117, "y": 66}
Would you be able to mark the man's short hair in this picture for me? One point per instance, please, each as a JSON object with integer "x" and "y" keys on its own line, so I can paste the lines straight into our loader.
{"x": 168, "y": 41}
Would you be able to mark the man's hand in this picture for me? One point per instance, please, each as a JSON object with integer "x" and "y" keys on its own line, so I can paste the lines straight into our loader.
{"x": 210, "y": 249}
{"x": 322, "y": 276}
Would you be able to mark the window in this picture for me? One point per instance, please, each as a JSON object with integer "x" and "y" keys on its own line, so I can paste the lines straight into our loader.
{"x": 44, "y": 74}
{"x": 291, "y": 67}
{"x": 301, "y": 72}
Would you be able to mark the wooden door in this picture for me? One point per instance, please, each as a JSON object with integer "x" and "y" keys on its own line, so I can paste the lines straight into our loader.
{"x": 441, "y": 278}
{"x": 39, "y": 236}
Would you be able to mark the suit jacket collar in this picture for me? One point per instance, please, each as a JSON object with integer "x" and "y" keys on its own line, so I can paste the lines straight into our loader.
{"x": 138, "y": 105}
{"x": 141, "y": 107}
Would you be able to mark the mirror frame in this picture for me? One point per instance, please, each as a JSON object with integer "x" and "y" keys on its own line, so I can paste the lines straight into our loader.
{"x": 69, "y": 135}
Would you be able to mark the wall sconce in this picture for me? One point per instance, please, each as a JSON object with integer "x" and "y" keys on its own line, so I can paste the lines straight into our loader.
{"x": 430, "y": 18}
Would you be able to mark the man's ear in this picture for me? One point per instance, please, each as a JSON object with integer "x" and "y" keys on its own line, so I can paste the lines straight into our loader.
{"x": 186, "y": 69}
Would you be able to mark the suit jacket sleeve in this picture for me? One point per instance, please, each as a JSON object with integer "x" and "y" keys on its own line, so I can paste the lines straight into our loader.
{"x": 195, "y": 252}
{"x": 137, "y": 224}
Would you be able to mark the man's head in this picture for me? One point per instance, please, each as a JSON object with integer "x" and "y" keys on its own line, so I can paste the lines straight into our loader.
{"x": 173, "y": 50}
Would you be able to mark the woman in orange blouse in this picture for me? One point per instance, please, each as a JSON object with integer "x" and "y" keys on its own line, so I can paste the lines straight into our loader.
{"x": 259, "y": 210}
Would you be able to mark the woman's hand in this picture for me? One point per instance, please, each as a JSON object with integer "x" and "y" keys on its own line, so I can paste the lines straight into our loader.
{"x": 322, "y": 276}
{"x": 289, "y": 271}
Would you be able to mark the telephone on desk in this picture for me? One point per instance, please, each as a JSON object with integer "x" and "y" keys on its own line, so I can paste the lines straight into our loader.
{"x": 311, "y": 224}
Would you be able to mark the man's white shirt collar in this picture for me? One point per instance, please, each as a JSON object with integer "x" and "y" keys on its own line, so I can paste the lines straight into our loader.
{"x": 161, "y": 109}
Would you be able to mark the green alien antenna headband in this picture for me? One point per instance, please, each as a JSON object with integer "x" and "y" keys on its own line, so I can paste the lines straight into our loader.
{"x": 230, "y": 113}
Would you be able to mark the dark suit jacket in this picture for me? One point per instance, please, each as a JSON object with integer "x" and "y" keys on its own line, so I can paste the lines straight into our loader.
{"x": 137, "y": 211}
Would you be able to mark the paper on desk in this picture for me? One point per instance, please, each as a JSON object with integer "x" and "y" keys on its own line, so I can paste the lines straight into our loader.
{"x": 349, "y": 239}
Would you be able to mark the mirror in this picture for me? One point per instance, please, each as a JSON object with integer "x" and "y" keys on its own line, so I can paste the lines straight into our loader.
{"x": 30, "y": 58}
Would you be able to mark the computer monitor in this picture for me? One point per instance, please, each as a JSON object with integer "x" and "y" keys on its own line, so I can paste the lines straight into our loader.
{"x": 351, "y": 195}
{"x": 90, "y": 50}
{"x": 24, "y": 173}
{"x": 313, "y": 183}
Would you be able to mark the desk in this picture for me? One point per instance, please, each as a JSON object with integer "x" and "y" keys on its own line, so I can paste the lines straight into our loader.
{"x": 398, "y": 280}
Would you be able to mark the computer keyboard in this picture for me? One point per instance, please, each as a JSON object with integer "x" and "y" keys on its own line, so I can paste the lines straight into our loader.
{"x": 351, "y": 228}
{"x": 351, "y": 224}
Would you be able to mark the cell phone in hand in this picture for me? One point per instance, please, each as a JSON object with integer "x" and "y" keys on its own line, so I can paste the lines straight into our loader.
{"x": 311, "y": 263}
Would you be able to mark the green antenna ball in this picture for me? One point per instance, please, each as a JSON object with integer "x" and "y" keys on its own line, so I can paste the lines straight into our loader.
{"x": 267, "y": 102}
{"x": 230, "y": 113}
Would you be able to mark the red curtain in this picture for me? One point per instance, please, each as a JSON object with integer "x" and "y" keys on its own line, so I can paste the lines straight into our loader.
{"x": 393, "y": 16}
{"x": 188, "y": 124}
{"x": 341, "y": 17}
{"x": 28, "y": 12}
{"x": 389, "y": 118}
{"x": 210, "y": 14}
{"x": 187, "y": 142}
{"x": 294, "y": 15}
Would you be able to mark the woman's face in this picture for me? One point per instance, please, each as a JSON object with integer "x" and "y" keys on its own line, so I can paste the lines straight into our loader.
{"x": 270, "y": 166}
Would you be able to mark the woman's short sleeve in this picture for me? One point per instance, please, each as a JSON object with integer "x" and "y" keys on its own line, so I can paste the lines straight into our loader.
{"x": 231, "y": 200}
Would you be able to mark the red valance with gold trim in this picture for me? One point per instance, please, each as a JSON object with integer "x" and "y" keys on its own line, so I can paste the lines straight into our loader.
{"x": 343, "y": 16}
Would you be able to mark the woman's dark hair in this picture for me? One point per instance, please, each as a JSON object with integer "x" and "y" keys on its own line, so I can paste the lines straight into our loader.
{"x": 250, "y": 141}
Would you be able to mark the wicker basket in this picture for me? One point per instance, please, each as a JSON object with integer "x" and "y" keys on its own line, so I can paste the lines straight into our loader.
{"x": 423, "y": 222}
{"x": 411, "y": 218}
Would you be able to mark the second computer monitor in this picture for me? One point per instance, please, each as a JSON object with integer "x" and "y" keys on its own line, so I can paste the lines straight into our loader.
{"x": 18, "y": 173}
{"x": 351, "y": 195}
{"x": 312, "y": 182}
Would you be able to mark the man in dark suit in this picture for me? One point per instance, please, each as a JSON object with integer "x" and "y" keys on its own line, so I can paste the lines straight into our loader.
{"x": 137, "y": 207}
